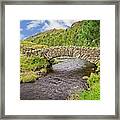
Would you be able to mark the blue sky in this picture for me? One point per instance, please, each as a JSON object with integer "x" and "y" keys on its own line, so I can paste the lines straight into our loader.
{"x": 31, "y": 27}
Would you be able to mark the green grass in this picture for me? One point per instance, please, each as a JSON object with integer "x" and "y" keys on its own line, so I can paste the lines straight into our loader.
{"x": 25, "y": 43}
{"x": 29, "y": 67}
{"x": 28, "y": 77}
{"x": 93, "y": 79}
{"x": 33, "y": 63}
{"x": 93, "y": 92}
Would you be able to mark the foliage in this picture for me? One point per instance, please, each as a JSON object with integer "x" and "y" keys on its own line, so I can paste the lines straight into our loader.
{"x": 90, "y": 33}
{"x": 93, "y": 79}
{"x": 94, "y": 86}
{"x": 98, "y": 67}
{"x": 29, "y": 76}
{"x": 32, "y": 63}
{"x": 43, "y": 70}
{"x": 93, "y": 92}
{"x": 82, "y": 33}
{"x": 24, "y": 44}
{"x": 29, "y": 66}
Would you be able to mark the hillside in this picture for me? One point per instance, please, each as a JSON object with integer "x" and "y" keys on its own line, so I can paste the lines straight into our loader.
{"x": 82, "y": 33}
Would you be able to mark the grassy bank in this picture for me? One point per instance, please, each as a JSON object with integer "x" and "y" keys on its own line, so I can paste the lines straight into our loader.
{"x": 33, "y": 67}
{"x": 93, "y": 91}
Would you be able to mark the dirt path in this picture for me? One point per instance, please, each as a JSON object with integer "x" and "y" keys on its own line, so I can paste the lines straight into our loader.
{"x": 66, "y": 78}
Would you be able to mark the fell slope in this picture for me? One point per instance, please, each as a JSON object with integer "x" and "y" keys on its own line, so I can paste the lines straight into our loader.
{"x": 82, "y": 33}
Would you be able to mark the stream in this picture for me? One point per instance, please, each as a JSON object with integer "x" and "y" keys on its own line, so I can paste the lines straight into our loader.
{"x": 65, "y": 79}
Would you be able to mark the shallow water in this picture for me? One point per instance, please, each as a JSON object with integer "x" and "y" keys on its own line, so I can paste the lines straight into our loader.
{"x": 69, "y": 65}
{"x": 58, "y": 85}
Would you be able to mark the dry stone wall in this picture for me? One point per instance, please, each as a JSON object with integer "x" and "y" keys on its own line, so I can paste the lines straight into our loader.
{"x": 89, "y": 54}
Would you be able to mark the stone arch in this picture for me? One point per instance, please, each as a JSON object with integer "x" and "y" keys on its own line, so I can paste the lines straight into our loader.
{"x": 90, "y": 54}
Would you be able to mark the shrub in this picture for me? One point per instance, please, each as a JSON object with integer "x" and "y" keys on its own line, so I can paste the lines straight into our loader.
{"x": 29, "y": 66}
{"x": 93, "y": 79}
{"x": 33, "y": 63}
{"x": 28, "y": 76}
{"x": 92, "y": 94}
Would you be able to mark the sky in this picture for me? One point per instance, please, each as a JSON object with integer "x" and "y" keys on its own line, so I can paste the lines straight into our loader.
{"x": 31, "y": 27}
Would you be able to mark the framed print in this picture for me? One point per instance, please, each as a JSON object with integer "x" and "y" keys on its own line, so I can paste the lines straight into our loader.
{"x": 60, "y": 59}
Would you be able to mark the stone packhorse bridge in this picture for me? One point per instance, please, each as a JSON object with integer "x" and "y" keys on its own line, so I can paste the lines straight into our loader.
{"x": 90, "y": 54}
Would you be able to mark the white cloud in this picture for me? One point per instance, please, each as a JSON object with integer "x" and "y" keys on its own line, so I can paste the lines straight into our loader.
{"x": 70, "y": 22}
{"x": 56, "y": 24}
{"x": 52, "y": 24}
{"x": 34, "y": 24}
{"x": 43, "y": 25}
